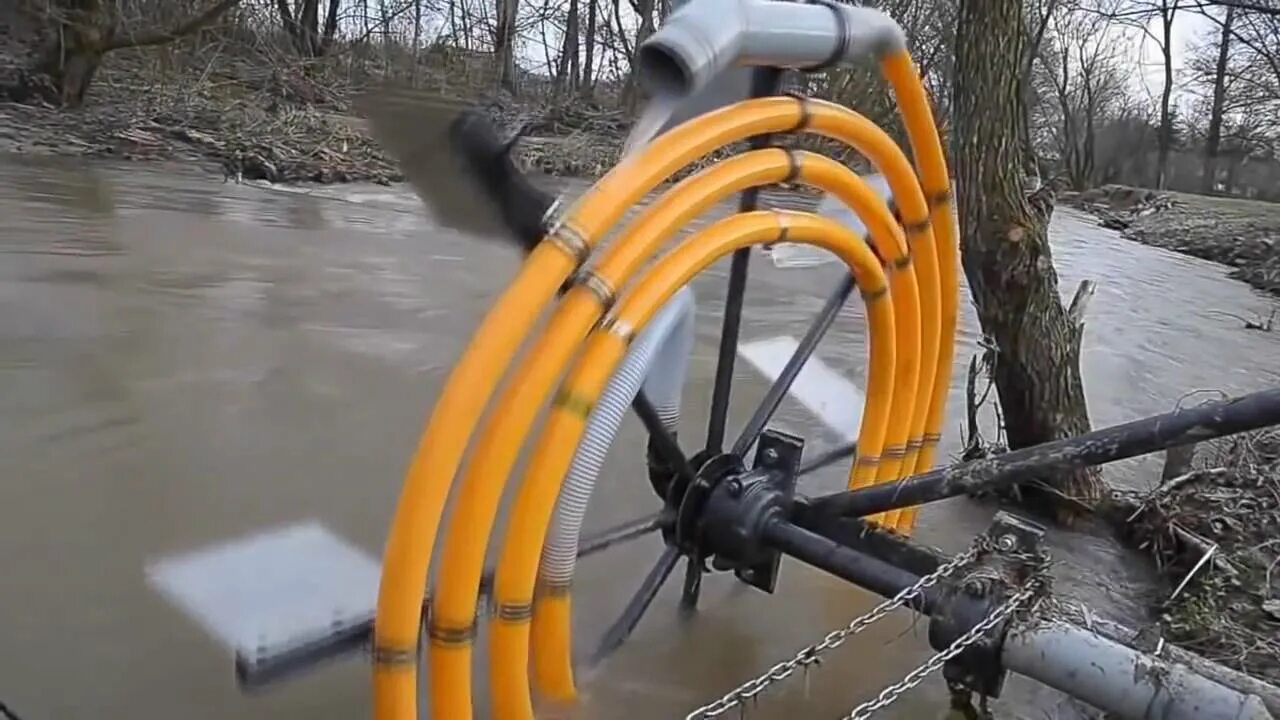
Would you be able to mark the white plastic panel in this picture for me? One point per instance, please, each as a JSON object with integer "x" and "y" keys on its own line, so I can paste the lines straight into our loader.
{"x": 270, "y": 591}
{"x": 832, "y": 398}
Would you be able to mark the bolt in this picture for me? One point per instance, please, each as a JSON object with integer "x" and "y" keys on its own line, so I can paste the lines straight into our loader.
{"x": 770, "y": 455}
{"x": 734, "y": 488}
{"x": 1007, "y": 543}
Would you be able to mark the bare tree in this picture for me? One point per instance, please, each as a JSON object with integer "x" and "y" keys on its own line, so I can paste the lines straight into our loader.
{"x": 504, "y": 40}
{"x": 1081, "y": 66}
{"x": 80, "y": 33}
{"x": 1213, "y": 139}
{"x": 301, "y": 21}
{"x": 1006, "y": 254}
{"x": 1141, "y": 14}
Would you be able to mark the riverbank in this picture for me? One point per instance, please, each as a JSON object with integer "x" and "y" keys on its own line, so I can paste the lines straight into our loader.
{"x": 289, "y": 124}
{"x": 1243, "y": 234}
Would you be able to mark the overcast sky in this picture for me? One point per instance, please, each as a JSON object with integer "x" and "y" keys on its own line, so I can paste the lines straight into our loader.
{"x": 1188, "y": 27}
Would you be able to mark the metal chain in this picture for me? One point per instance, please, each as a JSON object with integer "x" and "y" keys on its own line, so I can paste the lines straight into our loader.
{"x": 811, "y": 655}
{"x": 891, "y": 693}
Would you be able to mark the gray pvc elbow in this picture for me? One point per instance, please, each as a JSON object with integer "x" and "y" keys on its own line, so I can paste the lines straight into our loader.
{"x": 703, "y": 39}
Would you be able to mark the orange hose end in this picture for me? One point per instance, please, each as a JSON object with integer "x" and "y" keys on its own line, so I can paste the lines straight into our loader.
{"x": 552, "y": 659}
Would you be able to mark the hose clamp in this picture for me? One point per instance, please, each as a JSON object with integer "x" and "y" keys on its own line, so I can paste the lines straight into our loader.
{"x": 569, "y": 239}
{"x": 615, "y": 326}
{"x": 599, "y": 287}
{"x": 571, "y": 242}
{"x": 806, "y": 114}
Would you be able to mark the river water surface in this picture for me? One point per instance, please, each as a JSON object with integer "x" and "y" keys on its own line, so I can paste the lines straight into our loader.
{"x": 184, "y": 361}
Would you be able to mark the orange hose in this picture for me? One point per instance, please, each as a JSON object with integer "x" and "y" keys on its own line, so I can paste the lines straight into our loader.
{"x": 889, "y": 241}
{"x": 605, "y": 347}
{"x": 516, "y": 573}
{"x": 828, "y": 120}
{"x": 922, "y": 133}
{"x": 414, "y": 528}
{"x": 411, "y": 538}
{"x": 499, "y": 442}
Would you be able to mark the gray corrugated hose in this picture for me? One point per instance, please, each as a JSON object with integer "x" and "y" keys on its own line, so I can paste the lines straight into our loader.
{"x": 658, "y": 360}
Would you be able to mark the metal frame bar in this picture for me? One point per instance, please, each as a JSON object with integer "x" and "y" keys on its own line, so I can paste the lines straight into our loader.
{"x": 1118, "y": 442}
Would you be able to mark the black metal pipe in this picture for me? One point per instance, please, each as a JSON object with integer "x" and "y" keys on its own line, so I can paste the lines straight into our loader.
{"x": 1139, "y": 437}
{"x": 858, "y": 568}
{"x": 866, "y": 537}
{"x": 764, "y": 81}
{"x": 773, "y": 398}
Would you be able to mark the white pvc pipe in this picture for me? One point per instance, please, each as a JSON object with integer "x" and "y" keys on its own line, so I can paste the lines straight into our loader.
{"x": 703, "y": 39}
{"x": 1119, "y": 680}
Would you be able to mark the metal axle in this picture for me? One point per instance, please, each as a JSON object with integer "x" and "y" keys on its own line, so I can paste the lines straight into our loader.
{"x": 748, "y": 519}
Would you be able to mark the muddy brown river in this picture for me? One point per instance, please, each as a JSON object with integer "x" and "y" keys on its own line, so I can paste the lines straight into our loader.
{"x": 184, "y": 361}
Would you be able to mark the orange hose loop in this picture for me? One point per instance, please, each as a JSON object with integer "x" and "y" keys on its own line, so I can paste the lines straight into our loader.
{"x": 590, "y": 374}
{"x": 538, "y": 490}
{"x": 922, "y": 133}
{"x": 430, "y": 475}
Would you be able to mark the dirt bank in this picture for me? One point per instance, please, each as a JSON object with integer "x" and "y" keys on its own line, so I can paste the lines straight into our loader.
{"x": 281, "y": 124}
{"x": 1244, "y": 234}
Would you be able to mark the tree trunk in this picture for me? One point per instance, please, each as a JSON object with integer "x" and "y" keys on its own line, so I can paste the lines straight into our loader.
{"x": 1005, "y": 244}
{"x": 631, "y": 92}
{"x": 1164, "y": 143}
{"x": 1209, "y": 177}
{"x": 81, "y": 33}
{"x": 331, "y": 25}
{"x": 575, "y": 64}
{"x": 588, "y": 61}
{"x": 417, "y": 39}
{"x": 504, "y": 43}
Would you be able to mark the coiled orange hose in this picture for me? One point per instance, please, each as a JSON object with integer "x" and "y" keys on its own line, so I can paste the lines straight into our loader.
{"x": 537, "y": 492}
{"x": 474, "y": 379}
{"x": 412, "y": 534}
{"x": 587, "y": 379}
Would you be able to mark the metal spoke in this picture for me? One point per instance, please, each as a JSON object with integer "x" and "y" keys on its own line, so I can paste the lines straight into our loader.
{"x": 782, "y": 385}
{"x": 639, "y": 603}
{"x": 692, "y": 589}
{"x": 764, "y": 81}
{"x": 617, "y": 534}
{"x": 729, "y": 340}
{"x": 829, "y": 457}
{"x": 664, "y": 442}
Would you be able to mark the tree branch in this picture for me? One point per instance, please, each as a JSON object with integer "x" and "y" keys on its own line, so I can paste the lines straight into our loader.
{"x": 161, "y": 37}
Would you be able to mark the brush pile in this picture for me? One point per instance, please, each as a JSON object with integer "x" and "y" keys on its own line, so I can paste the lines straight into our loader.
{"x": 1215, "y": 534}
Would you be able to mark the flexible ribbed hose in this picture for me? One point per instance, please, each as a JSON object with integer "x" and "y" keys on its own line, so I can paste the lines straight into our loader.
{"x": 657, "y": 361}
